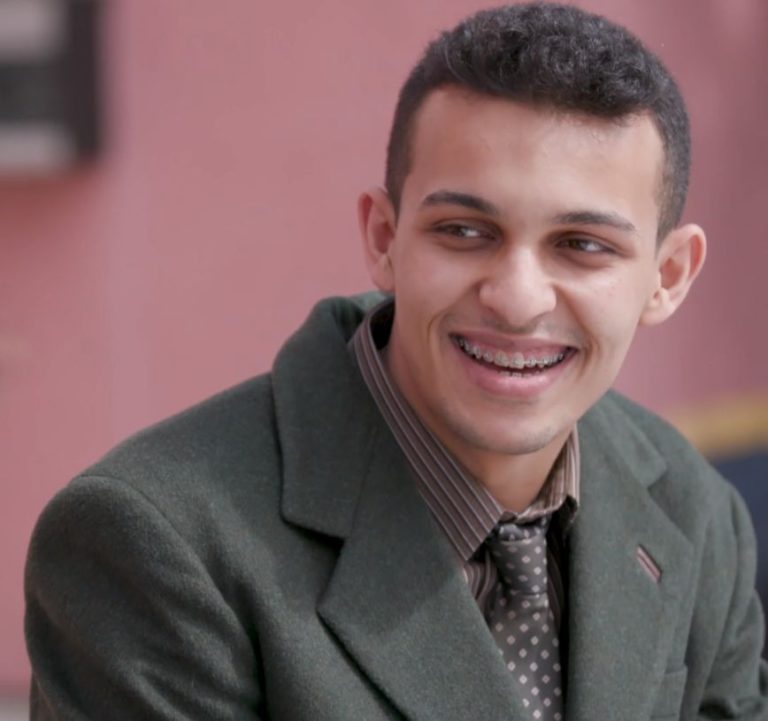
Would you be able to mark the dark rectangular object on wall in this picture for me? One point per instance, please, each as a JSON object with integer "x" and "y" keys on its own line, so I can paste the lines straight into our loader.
{"x": 49, "y": 109}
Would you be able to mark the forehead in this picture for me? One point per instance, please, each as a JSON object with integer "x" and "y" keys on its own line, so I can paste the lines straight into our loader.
{"x": 462, "y": 137}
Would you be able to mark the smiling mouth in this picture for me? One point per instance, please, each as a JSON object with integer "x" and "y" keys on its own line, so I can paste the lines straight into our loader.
{"x": 519, "y": 365}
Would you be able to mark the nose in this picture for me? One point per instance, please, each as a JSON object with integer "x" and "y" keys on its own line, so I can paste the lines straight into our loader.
{"x": 517, "y": 288}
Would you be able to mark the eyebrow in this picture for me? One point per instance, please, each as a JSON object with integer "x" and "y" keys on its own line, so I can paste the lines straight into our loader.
{"x": 466, "y": 200}
{"x": 574, "y": 217}
{"x": 595, "y": 217}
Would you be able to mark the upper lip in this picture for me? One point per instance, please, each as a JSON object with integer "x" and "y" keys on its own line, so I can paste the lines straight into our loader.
{"x": 511, "y": 344}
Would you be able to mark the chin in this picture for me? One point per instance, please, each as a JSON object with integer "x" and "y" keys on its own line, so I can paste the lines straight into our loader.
{"x": 500, "y": 441}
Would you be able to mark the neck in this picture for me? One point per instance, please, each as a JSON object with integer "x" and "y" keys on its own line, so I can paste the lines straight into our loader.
{"x": 516, "y": 481}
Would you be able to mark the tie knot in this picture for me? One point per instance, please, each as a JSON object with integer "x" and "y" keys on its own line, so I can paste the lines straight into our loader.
{"x": 520, "y": 554}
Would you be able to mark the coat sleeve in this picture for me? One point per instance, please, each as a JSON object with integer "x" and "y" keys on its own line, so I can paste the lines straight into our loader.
{"x": 123, "y": 619}
{"x": 737, "y": 687}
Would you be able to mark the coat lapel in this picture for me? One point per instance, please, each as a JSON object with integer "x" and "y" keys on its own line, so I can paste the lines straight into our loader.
{"x": 621, "y": 620}
{"x": 397, "y": 600}
{"x": 399, "y": 604}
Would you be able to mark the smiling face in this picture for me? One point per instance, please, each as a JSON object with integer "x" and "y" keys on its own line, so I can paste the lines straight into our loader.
{"x": 522, "y": 259}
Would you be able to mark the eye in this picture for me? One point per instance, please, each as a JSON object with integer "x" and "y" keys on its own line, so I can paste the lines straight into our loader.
{"x": 586, "y": 245}
{"x": 463, "y": 231}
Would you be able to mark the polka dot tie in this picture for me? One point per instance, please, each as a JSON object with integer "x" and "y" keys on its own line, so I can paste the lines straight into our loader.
{"x": 521, "y": 620}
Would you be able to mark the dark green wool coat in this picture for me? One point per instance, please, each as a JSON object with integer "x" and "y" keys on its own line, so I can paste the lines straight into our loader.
{"x": 266, "y": 555}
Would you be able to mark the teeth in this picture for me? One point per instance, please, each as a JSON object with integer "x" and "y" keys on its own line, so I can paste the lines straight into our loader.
{"x": 516, "y": 361}
{"x": 473, "y": 350}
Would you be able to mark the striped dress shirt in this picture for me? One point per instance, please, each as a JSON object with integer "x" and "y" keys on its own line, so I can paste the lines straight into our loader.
{"x": 464, "y": 510}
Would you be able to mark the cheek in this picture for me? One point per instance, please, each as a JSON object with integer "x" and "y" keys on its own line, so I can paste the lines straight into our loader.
{"x": 609, "y": 310}
{"x": 428, "y": 278}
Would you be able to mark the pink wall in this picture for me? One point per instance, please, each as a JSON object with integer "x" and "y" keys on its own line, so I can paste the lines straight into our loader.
{"x": 224, "y": 206}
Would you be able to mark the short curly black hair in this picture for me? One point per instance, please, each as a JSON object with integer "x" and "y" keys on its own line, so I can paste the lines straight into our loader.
{"x": 559, "y": 57}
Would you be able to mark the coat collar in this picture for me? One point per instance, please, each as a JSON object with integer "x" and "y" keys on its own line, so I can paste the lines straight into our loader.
{"x": 397, "y": 600}
{"x": 326, "y": 418}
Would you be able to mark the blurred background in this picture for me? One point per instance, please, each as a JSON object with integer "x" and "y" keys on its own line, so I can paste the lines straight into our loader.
{"x": 145, "y": 270}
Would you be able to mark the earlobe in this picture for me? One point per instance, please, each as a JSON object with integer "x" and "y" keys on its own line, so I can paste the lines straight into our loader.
{"x": 680, "y": 259}
{"x": 376, "y": 216}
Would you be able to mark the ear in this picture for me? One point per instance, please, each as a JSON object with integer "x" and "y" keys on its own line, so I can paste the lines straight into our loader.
{"x": 378, "y": 224}
{"x": 680, "y": 258}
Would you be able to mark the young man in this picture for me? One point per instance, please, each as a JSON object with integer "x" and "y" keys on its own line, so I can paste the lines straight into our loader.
{"x": 434, "y": 508}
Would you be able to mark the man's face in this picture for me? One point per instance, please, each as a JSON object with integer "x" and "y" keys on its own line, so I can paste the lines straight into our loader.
{"x": 522, "y": 261}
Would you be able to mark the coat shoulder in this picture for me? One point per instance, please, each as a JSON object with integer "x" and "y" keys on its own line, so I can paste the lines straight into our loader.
{"x": 223, "y": 430}
{"x": 211, "y": 471}
{"x": 688, "y": 486}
